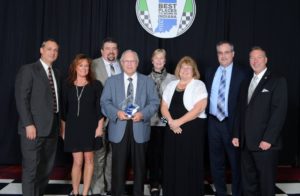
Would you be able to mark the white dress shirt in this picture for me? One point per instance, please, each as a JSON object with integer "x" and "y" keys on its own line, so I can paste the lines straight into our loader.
{"x": 45, "y": 66}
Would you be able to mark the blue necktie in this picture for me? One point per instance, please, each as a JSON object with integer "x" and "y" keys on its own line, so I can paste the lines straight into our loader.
{"x": 130, "y": 91}
{"x": 221, "y": 97}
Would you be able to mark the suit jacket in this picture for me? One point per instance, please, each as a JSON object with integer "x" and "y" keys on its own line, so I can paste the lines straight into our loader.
{"x": 99, "y": 70}
{"x": 237, "y": 76}
{"x": 146, "y": 97}
{"x": 34, "y": 98}
{"x": 263, "y": 118}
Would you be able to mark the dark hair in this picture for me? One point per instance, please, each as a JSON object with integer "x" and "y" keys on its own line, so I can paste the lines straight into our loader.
{"x": 48, "y": 40}
{"x": 109, "y": 40}
{"x": 258, "y": 48}
{"x": 72, "y": 69}
{"x": 225, "y": 42}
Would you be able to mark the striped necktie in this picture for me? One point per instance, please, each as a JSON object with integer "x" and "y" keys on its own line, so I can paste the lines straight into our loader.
{"x": 50, "y": 77}
{"x": 130, "y": 91}
{"x": 112, "y": 69}
{"x": 221, "y": 97}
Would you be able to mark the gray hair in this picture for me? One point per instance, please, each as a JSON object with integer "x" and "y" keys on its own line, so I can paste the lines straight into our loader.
{"x": 128, "y": 51}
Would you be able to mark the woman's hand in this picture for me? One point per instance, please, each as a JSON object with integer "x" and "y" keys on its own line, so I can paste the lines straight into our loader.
{"x": 99, "y": 129}
{"x": 175, "y": 126}
{"x": 98, "y": 132}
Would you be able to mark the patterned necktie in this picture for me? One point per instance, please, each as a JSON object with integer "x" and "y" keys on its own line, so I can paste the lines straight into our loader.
{"x": 50, "y": 77}
{"x": 221, "y": 97}
{"x": 252, "y": 87}
{"x": 112, "y": 69}
{"x": 130, "y": 91}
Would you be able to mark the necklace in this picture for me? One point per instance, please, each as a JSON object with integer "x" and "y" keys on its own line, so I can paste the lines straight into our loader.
{"x": 78, "y": 98}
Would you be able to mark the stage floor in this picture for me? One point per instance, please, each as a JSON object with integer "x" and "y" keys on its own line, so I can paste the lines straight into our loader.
{"x": 10, "y": 183}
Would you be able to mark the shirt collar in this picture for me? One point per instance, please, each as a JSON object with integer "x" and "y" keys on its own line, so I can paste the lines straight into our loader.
{"x": 108, "y": 62}
{"x": 261, "y": 74}
{"x": 227, "y": 67}
{"x": 134, "y": 76}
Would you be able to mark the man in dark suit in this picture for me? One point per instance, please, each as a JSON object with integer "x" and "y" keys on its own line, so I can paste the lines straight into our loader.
{"x": 105, "y": 66}
{"x": 129, "y": 135}
{"x": 223, "y": 85}
{"x": 262, "y": 111}
{"x": 37, "y": 90}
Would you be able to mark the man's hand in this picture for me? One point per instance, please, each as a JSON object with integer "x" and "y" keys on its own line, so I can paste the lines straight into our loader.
{"x": 137, "y": 117}
{"x": 122, "y": 115}
{"x": 264, "y": 145}
{"x": 235, "y": 142}
{"x": 30, "y": 132}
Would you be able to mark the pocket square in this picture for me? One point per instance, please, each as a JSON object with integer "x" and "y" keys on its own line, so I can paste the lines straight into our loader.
{"x": 265, "y": 90}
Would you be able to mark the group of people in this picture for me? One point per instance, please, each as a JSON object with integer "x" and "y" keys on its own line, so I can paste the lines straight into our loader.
{"x": 163, "y": 136}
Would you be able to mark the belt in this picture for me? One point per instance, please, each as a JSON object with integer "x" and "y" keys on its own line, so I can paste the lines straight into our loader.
{"x": 216, "y": 119}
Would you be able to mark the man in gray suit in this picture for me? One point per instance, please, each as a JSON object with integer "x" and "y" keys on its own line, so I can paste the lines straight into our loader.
{"x": 104, "y": 67}
{"x": 129, "y": 135}
{"x": 37, "y": 90}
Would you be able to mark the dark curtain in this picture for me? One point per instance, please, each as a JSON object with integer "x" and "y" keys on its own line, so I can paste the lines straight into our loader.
{"x": 79, "y": 26}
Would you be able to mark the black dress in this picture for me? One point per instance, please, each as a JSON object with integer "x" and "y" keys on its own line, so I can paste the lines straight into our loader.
{"x": 183, "y": 154}
{"x": 81, "y": 124}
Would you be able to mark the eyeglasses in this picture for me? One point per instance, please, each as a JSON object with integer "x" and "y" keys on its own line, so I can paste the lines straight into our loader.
{"x": 224, "y": 53}
{"x": 129, "y": 61}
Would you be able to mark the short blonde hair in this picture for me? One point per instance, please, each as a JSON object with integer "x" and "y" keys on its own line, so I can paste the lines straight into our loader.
{"x": 188, "y": 61}
{"x": 159, "y": 51}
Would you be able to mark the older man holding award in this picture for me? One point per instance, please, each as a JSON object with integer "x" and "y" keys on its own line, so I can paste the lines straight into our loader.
{"x": 129, "y": 100}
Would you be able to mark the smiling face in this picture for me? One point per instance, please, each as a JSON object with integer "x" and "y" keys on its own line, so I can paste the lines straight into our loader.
{"x": 225, "y": 54}
{"x": 129, "y": 62}
{"x": 49, "y": 52}
{"x": 158, "y": 61}
{"x": 186, "y": 72}
{"x": 110, "y": 51}
{"x": 258, "y": 60}
{"x": 82, "y": 68}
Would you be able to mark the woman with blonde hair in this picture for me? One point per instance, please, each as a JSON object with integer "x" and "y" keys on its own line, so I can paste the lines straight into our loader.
{"x": 155, "y": 148}
{"x": 183, "y": 105}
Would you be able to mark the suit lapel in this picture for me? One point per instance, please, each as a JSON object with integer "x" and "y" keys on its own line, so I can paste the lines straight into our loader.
{"x": 140, "y": 84}
{"x": 232, "y": 85}
{"x": 120, "y": 82}
{"x": 259, "y": 86}
{"x": 102, "y": 69}
{"x": 41, "y": 71}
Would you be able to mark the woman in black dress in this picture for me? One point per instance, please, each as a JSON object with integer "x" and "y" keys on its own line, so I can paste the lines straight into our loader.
{"x": 82, "y": 122}
{"x": 183, "y": 105}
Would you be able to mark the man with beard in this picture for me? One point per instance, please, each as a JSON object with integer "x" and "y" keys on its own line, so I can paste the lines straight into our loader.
{"x": 104, "y": 67}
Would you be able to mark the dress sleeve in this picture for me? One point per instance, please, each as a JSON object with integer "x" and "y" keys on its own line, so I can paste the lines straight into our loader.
{"x": 98, "y": 91}
{"x": 201, "y": 91}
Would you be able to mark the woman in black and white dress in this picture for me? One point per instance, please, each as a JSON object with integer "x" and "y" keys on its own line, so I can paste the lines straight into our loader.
{"x": 183, "y": 105}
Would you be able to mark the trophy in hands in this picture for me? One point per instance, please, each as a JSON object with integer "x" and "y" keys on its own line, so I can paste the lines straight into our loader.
{"x": 129, "y": 107}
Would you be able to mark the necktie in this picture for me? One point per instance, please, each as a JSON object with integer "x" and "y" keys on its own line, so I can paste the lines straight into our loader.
{"x": 50, "y": 77}
{"x": 221, "y": 97}
{"x": 130, "y": 91}
{"x": 112, "y": 69}
{"x": 252, "y": 87}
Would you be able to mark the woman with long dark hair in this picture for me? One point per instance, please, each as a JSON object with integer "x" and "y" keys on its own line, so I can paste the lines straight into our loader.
{"x": 82, "y": 121}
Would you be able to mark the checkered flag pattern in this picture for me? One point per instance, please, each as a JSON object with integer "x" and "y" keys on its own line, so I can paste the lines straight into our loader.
{"x": 145, "y": 18}
{"x": 185, "y": 20}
